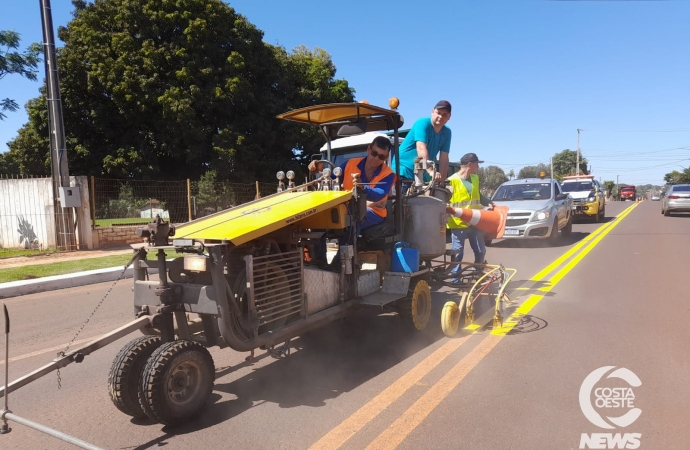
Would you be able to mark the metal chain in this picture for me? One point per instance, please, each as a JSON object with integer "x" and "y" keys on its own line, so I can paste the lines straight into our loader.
{"x": 62, "y": 353}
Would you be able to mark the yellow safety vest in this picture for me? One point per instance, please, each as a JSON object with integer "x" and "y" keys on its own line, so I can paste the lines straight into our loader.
{"x": 463, "y": 199}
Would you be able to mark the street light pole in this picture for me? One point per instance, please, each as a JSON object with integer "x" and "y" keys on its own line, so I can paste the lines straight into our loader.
{"x": 577, "y": 164}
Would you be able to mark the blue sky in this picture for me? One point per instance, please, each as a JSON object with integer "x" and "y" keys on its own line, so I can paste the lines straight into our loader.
{"x": 522, "y": 75}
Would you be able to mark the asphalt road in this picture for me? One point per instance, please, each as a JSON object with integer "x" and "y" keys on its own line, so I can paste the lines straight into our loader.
{"x": 618, "y": 298}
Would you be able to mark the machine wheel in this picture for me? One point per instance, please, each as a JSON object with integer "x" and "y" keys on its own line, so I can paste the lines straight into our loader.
{"x": 450, "y": 318}
{"x": 417, "y": 305}
{"x": 125, "y": 374}
{"x": 603, "y": 213}
{"x": 667, "y": 213}
{"x": 568, "y": 228}
{"x": 177, "y": 382}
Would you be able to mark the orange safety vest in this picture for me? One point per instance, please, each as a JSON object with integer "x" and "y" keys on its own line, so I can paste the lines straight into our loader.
{"x": 379, "y": 207}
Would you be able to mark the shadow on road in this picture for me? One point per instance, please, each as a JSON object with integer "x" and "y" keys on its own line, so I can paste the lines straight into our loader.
{"x": 325, "y": 363}
{"x": 574, "y": 238}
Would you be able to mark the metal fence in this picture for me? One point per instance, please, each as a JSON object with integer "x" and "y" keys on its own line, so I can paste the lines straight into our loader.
{"x": 130, "y": 202}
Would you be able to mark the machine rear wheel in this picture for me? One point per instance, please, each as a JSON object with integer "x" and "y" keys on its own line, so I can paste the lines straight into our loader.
{"x": 416, "y": 308}
{"x": 125, "y": 374}
{"x": 177, "y": 382}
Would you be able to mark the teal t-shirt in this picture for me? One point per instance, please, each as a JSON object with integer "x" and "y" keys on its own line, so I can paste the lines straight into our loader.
{"x": 422, "y": 131}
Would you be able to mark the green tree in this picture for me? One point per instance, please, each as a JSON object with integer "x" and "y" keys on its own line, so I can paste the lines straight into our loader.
{"x": 170, "y": 90}
{"x": 608, "y": 185}
{"x": 24, "y": 64}
{"x": 676, "y": 177}
{"x": 511, "y": 174}
{"x": 534, "y": 171}
{"x": 490, "y": 178}
{"x": 564, "y": 164}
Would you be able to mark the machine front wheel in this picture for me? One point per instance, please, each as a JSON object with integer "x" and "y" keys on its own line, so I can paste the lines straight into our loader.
{"x": 177, "y": 382}
{"x": 125, "y": 374}
{"x": 417, "y": 306}
{"x": 450, "y": 318}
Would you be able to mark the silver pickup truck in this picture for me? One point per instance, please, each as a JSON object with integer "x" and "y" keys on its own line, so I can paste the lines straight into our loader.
{"x": 538, "y": 209}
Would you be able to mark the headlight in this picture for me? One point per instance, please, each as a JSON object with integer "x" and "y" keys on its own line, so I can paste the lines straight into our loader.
{"x": 543, "y": 215}
{"x": 280, "y": 175}
{"x": 337, "y": 171}
{"x": 326, "y": 172}
{"x": 591, "y": 199}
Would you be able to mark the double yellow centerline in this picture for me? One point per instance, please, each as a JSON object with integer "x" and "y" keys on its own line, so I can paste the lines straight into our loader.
{"x": 413, "y": 416}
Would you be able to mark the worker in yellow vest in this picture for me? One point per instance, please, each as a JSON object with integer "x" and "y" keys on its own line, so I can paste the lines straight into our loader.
{"x": 464, "y": 186}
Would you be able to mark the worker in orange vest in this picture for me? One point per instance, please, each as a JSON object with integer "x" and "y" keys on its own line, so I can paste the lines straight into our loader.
{"x": 368, "y": 174}
{"x": 372, "y": 176}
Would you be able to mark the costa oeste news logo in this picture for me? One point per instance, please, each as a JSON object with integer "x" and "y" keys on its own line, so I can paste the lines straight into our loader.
{"x": 610, "y": 401}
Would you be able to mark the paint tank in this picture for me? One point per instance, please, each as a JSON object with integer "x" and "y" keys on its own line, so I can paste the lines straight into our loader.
{"x": 425, "y": 225}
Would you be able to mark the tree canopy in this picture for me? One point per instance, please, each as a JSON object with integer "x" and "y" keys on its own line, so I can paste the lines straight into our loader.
{"x": 564, "y": 164}
{"x": 490, "y": 178}
{"x": 171, "y": 90}
{"x": 24, "y": 64}
{"x": 676, "y": 177}
{"x": 534, "y": 171}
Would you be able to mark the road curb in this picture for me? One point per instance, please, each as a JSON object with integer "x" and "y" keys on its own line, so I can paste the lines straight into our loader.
{"x": 43, "y": 284}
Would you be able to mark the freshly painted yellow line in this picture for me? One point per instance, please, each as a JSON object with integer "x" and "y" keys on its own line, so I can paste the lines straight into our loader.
{"x": 533, "y": 300}
{"x": 550, "y": 268}
{"x": 415, "y": 415}
{"x": 340, "y": 434}
{"x": 395, "y": 434}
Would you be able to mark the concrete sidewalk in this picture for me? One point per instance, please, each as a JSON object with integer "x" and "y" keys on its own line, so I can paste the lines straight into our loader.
{"x": 37, "y": 285}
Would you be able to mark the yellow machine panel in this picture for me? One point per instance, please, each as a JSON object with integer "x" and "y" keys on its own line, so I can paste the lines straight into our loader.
{"x": 332, "y": 219}
{"x": 260, "y": 217}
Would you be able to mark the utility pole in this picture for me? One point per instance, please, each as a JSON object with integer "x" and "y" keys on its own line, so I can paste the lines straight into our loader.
{"x": 552, "y": 167}
{"x": 617, "y": 188}
{"x": 577, "y": 163}
{"x": 58, "y": 146}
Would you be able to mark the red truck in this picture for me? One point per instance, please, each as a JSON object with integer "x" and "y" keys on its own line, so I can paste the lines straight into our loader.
{"x": 628, "y": 193}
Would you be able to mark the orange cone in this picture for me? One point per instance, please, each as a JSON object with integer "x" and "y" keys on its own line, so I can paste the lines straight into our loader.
{"x": 493, "y": 223}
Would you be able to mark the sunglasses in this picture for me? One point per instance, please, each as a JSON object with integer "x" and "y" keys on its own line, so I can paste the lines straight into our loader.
{"x": 378, "y": 155}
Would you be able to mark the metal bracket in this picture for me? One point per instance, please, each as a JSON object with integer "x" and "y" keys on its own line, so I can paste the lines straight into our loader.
{"x": 283, "y": 350}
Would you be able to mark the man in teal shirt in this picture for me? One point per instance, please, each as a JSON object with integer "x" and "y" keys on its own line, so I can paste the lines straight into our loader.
{"x": 427, "y": 138}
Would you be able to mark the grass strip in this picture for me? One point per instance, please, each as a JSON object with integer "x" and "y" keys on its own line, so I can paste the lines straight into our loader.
{"x": 65, "y": 267}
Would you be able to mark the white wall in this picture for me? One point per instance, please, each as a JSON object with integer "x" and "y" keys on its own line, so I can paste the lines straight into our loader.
{"x": 29, "y": 200}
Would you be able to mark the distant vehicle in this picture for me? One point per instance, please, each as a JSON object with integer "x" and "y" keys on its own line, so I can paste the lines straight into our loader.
{"x": 628, "y": 193}
{"x": 538, "y": 209}
{"x": 655, "y": 198}
{"x": 677, "y": 199}
{"x": 588, "y": 196}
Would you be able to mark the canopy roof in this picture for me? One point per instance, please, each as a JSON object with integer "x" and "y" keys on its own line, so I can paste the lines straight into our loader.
{"x": 377, "y": 118}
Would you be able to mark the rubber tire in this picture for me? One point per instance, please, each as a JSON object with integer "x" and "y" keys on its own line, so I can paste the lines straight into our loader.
{"x": 553, "y": 236}
{"x": 487, "y": 242}
{"x": 667, "y": 213}
{"x": 124, "y": 379}
{"x": 416, "y": 308}
{"x": 450, "y": 318}
{"x": 568, "y": 228}
{"x": 165, "y": 359}
{"x": 603, "y": 213}
{"x": 597, "y": 217}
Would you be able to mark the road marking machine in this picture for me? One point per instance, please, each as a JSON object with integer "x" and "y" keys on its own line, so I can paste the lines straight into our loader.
{"x": 250, "y": 278}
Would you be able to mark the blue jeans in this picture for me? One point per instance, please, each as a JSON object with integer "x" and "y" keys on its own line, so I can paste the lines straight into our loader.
{"x": 476, "y": 238}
